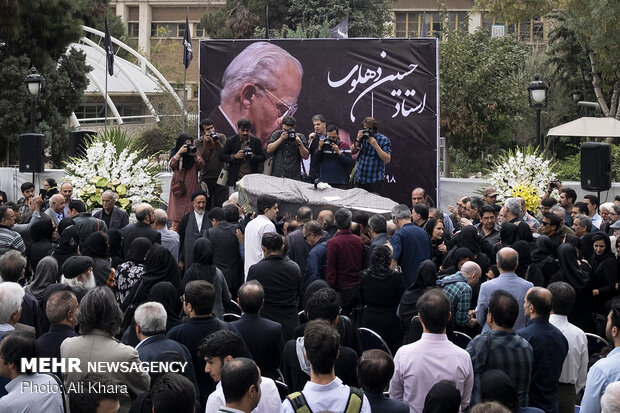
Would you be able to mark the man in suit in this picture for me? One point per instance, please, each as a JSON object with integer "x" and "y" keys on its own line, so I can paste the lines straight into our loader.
{"x": 112, "y": 216}
{"x": 194, "y": 225}
{"x": 56, "y": 210}
{"x": 169, "y": 239}
{"x": 225, "y": 244}
{"x": 85, "y": 223}
{"x": 142, "y": 228}
{"x": 263, "y": 337}
{"x": 99, "y": 318}
{"x": 507, "y": 260}
{"x": 61, "y": 310}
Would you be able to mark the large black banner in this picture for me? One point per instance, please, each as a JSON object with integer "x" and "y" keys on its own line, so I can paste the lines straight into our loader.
{"x": 395, "y": 81}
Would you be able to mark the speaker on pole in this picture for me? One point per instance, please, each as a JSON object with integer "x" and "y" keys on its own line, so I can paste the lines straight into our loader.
{"x": 31, "y": 152}
{"x": 77, "y": 142}
{"x": 595, "y": 166}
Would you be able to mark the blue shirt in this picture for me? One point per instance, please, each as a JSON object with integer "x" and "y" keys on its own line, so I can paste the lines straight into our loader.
{"x": 370, "y": 167}
{"x": 411, "y": 246}
{"x": 550, "y": 348}
{"x": 602, "y": 373}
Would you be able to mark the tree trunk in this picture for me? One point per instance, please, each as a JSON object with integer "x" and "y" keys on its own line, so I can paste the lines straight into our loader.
{"x": 596, "y": 83}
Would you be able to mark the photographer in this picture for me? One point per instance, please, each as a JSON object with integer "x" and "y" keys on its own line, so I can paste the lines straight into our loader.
{"x": 288, "y": 148}
{"x": 243, "y": 152}
{"x": 375, "y": 150}
{"x": 210, "y": 145}
{"x": 185, "y": 164}
{"x": 333, "y": 158}
{"x": 319, "y": 126}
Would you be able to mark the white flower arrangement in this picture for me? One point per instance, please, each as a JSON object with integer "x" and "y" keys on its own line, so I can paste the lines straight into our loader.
{"x": 113, "y": 162}
{"x": 523, "y": 173}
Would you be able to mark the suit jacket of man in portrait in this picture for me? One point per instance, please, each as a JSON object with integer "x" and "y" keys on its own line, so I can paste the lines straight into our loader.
{"x": 139, "y": 229}
{"x": 118, "y": 218}
{"x": 264, "y": 340}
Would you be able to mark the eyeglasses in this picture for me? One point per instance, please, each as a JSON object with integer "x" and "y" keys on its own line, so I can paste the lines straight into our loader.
{"x": 544, "y": 224}
{"x": 284, "y": 109}
{"x": 183, "y": 298}
{"x": 306, "y": 236}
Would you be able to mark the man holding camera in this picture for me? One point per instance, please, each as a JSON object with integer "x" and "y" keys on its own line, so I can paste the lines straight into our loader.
{"x": 243, "y": 152}
{"x": 333, "y": 158}
{"x": 288, "y": 148}
{"x": 210, "y": 145}
{"x": 375, "y": 152}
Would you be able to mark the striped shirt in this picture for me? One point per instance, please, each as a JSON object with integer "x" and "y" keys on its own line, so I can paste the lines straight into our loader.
{"x": 10, "y": 240}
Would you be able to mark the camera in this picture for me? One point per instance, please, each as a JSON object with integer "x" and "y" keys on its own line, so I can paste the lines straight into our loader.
{"x": 291, "y": 134}
{"x": 247, "y": 154}
{"x": 328, "y": 141}
{"x": 367, "y": 133}
{"x": 191, "y": 148}
{"x": 214, "y": 136}
{"x": 553, "y": 184}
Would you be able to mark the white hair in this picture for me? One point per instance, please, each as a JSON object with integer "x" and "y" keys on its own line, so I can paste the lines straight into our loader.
{"x": 75, "y": 283}
{"x": 607, "y": 206}
{"x": 610, "y": 401}
{"x": 151, "y": 317}
{"x": 258, "y": 63}
{"x": 11, "y": 296}
{"x": 513, "y": 205}
{"x": 111, "y": 193}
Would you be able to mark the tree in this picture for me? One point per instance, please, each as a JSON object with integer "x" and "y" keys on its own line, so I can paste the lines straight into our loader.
{"x": 485, "y": 108}
{"x": 37, "y": 33}
{"x": 234, "y": 21}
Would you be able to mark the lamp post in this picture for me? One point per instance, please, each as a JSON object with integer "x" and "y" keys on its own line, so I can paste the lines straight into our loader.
{"x": 538, "y": 98}
{"x": 33, "y": 80}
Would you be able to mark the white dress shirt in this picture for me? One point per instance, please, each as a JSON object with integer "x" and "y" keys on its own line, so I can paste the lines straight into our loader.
{"x": 253, "y": 238}
{"x": 575, "y": 367}
{"x": 199, "y": 218}
{"x": 269, "y": 399}
{"x": 332, "y": 397}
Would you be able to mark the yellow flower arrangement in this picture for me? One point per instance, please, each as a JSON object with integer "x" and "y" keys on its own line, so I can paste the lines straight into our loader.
{"x": 529, "y": 193}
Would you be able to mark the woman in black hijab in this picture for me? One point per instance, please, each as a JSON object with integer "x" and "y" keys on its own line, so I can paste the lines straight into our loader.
{"x": 203, "y": 268}
{"x": 96, "y": 247}
{"x": 160, "y": 266}
{"x": 68, "y": 244}
{"x": 116, "y": 246}
{"x": 508, "y": 235}
{"x": 443, "y": 397}
{"x": 577, "y": 274}
{"x": 427, "y": 278}
{"x": 435, "y": 229}
{"x": 165, "y": 294}
{"x": 525, "y": 234}
{"x": 468, "y": 238}
{"x": 129, "y": 272}
{"x": 380, "y": 291}
{"x": 525, "y": 270}
{"x": 41, "y": 232}
{"x": 543, "y": 257}
{"x": 455, "y": 260}
{"x": 604, "y": 272}
{"x": 185, "y": 163}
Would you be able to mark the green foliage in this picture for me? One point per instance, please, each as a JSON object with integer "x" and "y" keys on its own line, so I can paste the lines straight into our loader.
{"x": 515, "y": 10}
{"x": 233, "y": 21}
{"x": 155, "y": 140}
{"x": 463, "y": 165}
{"x": 121, "y": 141}
{"x": 569, "y": 168}
{"x": 483, "y": 110}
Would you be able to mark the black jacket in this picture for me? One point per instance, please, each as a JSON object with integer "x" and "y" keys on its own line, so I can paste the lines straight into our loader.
{"x": 231, "y": 147}
{"x": 139, "y": 229}
{"x": 264, "y": 341}
{"x": 226, "y": 255}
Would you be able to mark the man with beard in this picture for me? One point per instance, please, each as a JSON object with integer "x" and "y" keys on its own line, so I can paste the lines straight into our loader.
{"x": 145, "y": 216}
{"x": 77, "y": 273}
{"x": 193, "y": 226}
{"x": 606, "y": 370}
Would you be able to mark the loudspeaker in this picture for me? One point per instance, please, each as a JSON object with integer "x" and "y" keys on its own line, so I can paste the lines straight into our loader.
{"x": 77, "y": 142}
{"x": 595, "y": 166}
{"x": 31, "y": 152}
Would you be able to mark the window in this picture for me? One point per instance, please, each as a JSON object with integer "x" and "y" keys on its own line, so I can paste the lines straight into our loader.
{"x": 408, "y": 24}
{"x": 198, "y": 30}
{"x": 133, "y": 29}
{"x": 166, "y": 29}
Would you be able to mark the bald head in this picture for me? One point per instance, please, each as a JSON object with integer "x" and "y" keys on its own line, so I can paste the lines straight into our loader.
{"x": 161, "y": 218}
{"x": 326, "y": 218}
{"x": 143, "y": 211}
{"x": 538, "y": 302}
{"x": 472, "y": 272}
{"x": 57, "y": 203}
{"x": 507, "y": 260}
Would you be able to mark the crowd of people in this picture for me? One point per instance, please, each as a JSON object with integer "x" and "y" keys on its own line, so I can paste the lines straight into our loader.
{"x": 480, "y": 306}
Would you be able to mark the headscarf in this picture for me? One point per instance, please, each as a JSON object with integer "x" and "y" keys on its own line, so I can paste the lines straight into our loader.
{"x": 570, "y": 269}
{"x": 45, "y": 274}
{"x": 188, "y": 160}
{"x": 443, "y": 397}
{"x": 495, "y": 385}
{"x": 430, "y": 226}
{"x": 64, "y": 223}
{"x": 427, "y": 278}
{"x": 116, "y": 246}
{"x": 468, "y": 238}
{"x": 95, "y": 246}
{"x": 380, "y": 263}
{"x": 42, "y": 229}
{"x": 165, "y": 294}
{"x": 67, "y": 244}
{"x": 138, "y": 249}
{"x": 202, "y": 267}
{"x": 454, "y": 256}
{"x": 525, "y": 233}
{"x": 508, "y": 234}
{"x": 525, "y": 257}
{"x": 543, "y": 249}
{"x": 597, "y": 260}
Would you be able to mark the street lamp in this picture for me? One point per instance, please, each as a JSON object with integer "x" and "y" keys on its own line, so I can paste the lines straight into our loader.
{"x": 33, "y": 80}
{"x": 538, "y": 97}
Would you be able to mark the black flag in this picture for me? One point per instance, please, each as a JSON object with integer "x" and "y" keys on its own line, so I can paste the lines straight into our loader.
{"x": 109, "y": 50}
{"x": 188, "y": 54}
{"x": 341, "y": 30}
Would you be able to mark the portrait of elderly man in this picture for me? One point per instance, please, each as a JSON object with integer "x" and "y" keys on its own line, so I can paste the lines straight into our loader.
{"x": 112, "y": 216}
{"x": 261, "y": 84}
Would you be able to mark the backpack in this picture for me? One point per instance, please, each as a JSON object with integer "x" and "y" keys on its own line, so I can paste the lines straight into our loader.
{"x": 354, "y": 403}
